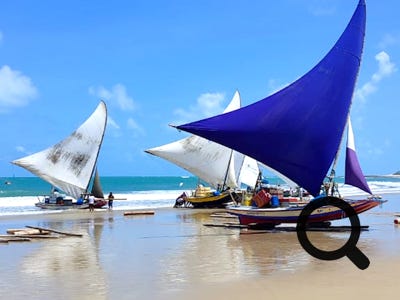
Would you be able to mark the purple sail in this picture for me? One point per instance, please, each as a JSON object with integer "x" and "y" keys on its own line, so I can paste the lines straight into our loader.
{"x": 297, "y": 131}
{"x": 353, "y": 173}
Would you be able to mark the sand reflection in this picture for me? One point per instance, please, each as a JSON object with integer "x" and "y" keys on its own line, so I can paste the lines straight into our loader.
{"x": 68, "y": 267}
{"x": 214, "y": 254}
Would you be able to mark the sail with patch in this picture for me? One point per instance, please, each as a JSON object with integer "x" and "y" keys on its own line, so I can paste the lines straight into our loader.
{"x": 69, "y": 165}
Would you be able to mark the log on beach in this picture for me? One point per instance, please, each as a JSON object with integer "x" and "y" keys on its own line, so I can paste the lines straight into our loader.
{"x": 13, "y": 230}
{"x": 225, "y": 225}
{"x": 254, "y": 230}
{"x": 265, "y": 228}
{"x": 223, "y": 215}
{"x": 55, "y": 231}
{"x": 31, "y": 232}
{"x": 10, "y": 238}
{"x": 23, "y": 231}
{"x": 30, "y": 236}
{"x": 138, "y": 212}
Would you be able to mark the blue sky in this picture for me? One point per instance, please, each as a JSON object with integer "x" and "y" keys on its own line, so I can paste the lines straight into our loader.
{"x": 161, "y": 62}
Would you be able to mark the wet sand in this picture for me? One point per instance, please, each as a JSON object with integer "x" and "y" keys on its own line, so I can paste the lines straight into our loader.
{"x": 172, "y": 255}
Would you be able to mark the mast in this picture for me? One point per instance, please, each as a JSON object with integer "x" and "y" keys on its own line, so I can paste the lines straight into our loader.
{"x": 101, "y": 142}
{"x": 332, "y": 174}
{"x": 227, "y": 170}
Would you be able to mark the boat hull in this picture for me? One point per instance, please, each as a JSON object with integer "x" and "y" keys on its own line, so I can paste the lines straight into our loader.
{"x": 276, "y": 216}
{"x": 211, "y": 201}
{"x": 68, "y": 205}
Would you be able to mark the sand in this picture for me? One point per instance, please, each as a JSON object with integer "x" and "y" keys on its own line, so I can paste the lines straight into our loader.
{"x": 172, "y": 255}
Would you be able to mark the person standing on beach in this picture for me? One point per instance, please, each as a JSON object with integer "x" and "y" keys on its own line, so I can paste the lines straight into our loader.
{"x": 110, "y": 200}
{"x": 91, "y": 202}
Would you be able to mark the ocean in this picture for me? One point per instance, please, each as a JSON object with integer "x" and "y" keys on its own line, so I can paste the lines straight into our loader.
{"x": 172, "y": 255}
{"x": 19, "y": 194}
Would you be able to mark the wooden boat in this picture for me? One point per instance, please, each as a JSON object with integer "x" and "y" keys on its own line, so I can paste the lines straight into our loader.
{"x": 290, "y": 214}
{"x": 70, "y": 165}
{"x": 304, "y": 149}
{"x": 223, "y": 169}
{"x": 204, "y": 197}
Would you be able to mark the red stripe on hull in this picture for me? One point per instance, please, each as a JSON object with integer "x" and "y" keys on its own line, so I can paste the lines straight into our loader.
{"x": 361, "y": 207}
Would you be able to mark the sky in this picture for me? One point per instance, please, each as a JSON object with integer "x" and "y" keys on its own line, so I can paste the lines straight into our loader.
{"x": 156, "y": 63}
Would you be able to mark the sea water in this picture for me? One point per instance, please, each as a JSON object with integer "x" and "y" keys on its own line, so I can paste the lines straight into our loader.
{"x": 18, "y": 195}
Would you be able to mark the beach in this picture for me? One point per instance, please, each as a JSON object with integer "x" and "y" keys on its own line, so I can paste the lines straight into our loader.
{"x": 173, "y": 255}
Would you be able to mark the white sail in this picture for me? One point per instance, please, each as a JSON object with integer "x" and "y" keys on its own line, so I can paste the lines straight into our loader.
{"x": 249, "y": 172}
{"x": 289, "y": 182}
{"x": 69, "y": 164}
{"x": 211, "y": 162}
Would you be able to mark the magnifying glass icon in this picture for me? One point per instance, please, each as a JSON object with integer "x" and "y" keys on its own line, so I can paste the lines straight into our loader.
{"x": 349, "y": 249}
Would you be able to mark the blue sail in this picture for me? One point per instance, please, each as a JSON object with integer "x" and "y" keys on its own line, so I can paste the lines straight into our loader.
{"x": 297, "y": 131}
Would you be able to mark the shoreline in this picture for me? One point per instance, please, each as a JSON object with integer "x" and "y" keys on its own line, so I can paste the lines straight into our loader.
{"x": 172, "y": 255}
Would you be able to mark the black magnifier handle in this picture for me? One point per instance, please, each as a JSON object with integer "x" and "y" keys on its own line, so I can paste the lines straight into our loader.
{"x": 358, "y": 258}
{"x": 349, "y": 249}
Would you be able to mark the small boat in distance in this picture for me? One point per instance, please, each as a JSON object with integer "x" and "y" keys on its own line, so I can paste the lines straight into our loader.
{"x": 58, "y": 200}
{"x": 70, "y": 165}
{"x": 297, "y": 131}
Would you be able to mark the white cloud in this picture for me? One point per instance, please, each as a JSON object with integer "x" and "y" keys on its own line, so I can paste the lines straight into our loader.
{"x": 321, "y": 7}
{"x": 378, "y": 149}
{"x": 21, "y": 149}
{"x": 117, "y": 94}
{"x": 132, "y": 125}
{"x": 16, "y": 89}
{"x": 112, "y": 123}
{"x": 385, "y": 69}
{"x": 207, "y": 105}
{"x": 320, "y": 11}
{"x": 388, "y": 40}
{"x": 274, "y": 87}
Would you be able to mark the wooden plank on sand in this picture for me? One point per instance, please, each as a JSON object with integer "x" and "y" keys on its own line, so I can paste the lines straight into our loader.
{"x": 11, "y": 231}
{"x": 24, "y": 231}
{"x": 223, "y": 216}
{"x": 11, "y": 238}
{"x": 225, "y": 225}
{"x": 55, "y": 231}
{"x": 250, "y": 230}
{"x": 138, "y": 212}
{"x": 36, "y": 236}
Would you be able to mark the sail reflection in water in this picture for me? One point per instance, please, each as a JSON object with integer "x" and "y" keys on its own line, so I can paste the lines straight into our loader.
{"x": 216, "y": 254}
{"x": 68, "y": 262}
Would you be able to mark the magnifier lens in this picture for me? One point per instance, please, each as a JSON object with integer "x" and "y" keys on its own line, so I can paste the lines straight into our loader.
{"x": 349, "y": 249}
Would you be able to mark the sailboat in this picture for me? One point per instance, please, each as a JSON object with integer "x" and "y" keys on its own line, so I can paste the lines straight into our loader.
{"x": 298, "y": 130}
{"x": 218, "y": 166}
{"x": 70, "y": 165}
